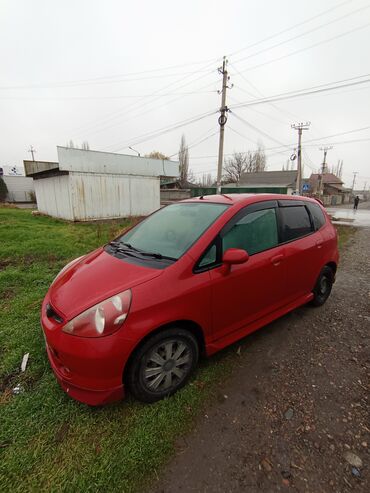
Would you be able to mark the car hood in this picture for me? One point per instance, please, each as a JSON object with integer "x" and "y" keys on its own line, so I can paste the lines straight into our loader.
{"x": 94, "y": 278}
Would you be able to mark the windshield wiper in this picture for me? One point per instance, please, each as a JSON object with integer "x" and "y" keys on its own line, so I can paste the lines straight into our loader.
{"x": 130, "y": 250}
{"x": 156, "y": 255}
{"x": 117, "y": 244}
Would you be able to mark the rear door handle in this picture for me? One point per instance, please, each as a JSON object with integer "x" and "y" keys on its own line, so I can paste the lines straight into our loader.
{"x": 277, "y": 259}
{"x": 319, "y": 243}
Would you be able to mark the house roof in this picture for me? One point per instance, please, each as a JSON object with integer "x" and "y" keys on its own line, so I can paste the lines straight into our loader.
{"x": 269, "y": 178}
{"x": 327, "y": 179}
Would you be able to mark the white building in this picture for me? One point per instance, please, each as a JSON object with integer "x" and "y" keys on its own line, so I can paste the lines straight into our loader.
{"x": 85, "y": 185}
{"x": 20, "y": 189}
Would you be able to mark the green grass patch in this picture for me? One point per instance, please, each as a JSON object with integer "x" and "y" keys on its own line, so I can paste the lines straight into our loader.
{"x": 48, "y": 442}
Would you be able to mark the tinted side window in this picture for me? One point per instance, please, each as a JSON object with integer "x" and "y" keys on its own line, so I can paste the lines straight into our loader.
{"x": 254, "y": 232}
{"x": 295, "y": 222}
{"x": 317, "y": 215}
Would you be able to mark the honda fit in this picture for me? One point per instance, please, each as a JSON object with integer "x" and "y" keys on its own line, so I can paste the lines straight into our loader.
{"x": 190, "y": 279}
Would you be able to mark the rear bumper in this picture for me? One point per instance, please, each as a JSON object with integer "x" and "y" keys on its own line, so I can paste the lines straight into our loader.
{"x": 92, "y": 397}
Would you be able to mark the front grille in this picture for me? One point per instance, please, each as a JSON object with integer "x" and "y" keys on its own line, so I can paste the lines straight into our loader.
{"x": 51, "y": 313}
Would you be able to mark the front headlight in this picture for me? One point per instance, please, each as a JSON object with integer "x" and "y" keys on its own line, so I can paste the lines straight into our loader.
{"x": 102, "y": 319}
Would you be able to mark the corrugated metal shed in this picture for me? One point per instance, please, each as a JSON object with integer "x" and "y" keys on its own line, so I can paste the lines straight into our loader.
{"x": 88, "y": 185}
{"x": 119, "y": 164}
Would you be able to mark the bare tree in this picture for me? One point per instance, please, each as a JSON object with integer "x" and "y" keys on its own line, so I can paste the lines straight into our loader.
{"x": 184, "y": 161}
{"x": 244, "y": 162}
{"x": 259, "y": 158}
{"x": 206, "y": 180}
{"x": 85, "y": 145}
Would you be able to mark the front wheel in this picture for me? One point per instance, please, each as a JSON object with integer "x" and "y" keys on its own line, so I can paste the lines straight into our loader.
{"x": 323, "y": 286}
{"x": 163, "y": 364}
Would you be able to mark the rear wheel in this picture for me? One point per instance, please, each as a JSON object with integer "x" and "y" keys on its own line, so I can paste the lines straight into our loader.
{"x": 323, "y": 286}
{"x": 163, "y": 364}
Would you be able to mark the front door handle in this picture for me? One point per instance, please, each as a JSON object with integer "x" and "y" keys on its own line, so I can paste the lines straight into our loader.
{"x": 277, "y": 259}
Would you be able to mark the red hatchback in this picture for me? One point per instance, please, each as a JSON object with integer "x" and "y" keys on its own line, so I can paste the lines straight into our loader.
{"x": 188, "y": 280}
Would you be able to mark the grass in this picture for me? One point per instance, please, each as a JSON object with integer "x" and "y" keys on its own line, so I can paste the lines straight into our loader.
{"x": 49, "y": 442}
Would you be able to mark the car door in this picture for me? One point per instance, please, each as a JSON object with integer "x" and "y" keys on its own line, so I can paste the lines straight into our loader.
{"x": 247, "y": 292}
{"x": 303, "y": 247}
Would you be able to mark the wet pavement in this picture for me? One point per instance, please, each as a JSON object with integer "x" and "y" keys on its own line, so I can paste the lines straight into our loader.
{"x": 359, "y": 217}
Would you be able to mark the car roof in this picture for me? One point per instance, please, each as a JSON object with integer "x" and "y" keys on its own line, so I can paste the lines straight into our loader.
{"x": 246, "y": 198}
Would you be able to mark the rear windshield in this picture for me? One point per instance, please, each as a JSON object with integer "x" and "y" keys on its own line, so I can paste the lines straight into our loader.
{"x": 173, "y": 229}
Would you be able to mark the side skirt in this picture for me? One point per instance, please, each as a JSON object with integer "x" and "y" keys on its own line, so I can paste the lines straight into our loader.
{"x": 221, "y": 343}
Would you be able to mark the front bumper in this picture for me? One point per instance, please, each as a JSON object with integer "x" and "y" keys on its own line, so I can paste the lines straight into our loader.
{"x": 89, "y": 370}
{"x": 92, "y": 397}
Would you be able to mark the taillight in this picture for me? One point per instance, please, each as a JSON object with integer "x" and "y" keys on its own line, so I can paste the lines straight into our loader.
{"x": 102, "y": 319}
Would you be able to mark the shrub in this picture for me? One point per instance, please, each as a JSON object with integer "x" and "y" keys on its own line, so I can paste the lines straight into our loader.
{"x": 3, "y": 190}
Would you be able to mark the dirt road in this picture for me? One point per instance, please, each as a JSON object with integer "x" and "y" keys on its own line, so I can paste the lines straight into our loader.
{"x": 294, "y": 416}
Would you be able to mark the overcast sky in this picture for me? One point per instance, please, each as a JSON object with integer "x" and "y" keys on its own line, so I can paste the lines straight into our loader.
{"x": 113, "y": 72}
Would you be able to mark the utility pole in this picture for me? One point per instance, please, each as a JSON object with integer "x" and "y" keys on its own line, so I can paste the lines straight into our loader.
{"x": 323, "y": 167}
{"x": 222, "y": 119}
{"x": 325, "y": 149}
{"x": 32, "y": 151}
{"x": 300, "y": 127}
{"x": 354, "y": 180}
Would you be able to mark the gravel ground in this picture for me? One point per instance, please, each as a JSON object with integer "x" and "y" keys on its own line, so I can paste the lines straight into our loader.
{"x": 294, "y": 416}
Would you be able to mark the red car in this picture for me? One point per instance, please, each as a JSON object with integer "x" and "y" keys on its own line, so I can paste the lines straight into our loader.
{"x": 187, "y": 281}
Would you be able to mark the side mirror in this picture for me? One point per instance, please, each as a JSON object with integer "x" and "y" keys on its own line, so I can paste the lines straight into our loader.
{"x": 235, "y": 256}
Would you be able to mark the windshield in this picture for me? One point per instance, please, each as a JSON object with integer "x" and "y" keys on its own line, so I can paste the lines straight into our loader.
{"x": 173, "y": 229}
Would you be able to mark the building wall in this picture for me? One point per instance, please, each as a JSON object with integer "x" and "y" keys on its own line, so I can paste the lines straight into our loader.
{"x": 104, "y": 196}
{"x": 20, "y": 188}
{"x": 53, "y": 196}
{"x": 86, "y": 161}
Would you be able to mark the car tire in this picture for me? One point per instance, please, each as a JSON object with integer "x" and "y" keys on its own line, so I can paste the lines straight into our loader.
{"x": 323, "y": 286}
{"x": 163, "y": 364}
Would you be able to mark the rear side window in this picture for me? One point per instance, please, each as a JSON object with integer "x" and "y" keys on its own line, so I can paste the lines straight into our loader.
{"x": 254, "y": 232}
{"x": 295, "y": 222}
{"x": 317, "y": 215}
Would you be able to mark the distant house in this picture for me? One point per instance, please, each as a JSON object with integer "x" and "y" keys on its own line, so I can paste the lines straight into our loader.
{"x": 267, "y": 182}
{"x": 329, "y": 187}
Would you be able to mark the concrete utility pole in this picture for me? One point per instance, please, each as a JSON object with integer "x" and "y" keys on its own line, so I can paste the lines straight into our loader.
{"x": 323, "y": 168}
{"x": 32, "y": 151}
{"x": 222, "y": 119}
{"x": 300, "y": 127}
{"x": 325, "y": 149}
{"x": 354, "y": 180}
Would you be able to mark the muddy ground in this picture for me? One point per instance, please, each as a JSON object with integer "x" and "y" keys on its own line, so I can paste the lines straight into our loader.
{"x": 294, "y": 416}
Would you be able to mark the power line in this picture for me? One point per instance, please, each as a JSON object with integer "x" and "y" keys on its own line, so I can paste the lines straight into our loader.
{"x": 198, "y": 141}
{"x": 130, "y": 96}
{"x": 151, "y": 135}
{"x": 137, "y": 105}
{"x": 102, "y": 80}
{"x": 290, "y": 28}
{"x": 248, "y": 69}
{"x": 301, "y": 92}
{"x": 324, "y": 25}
